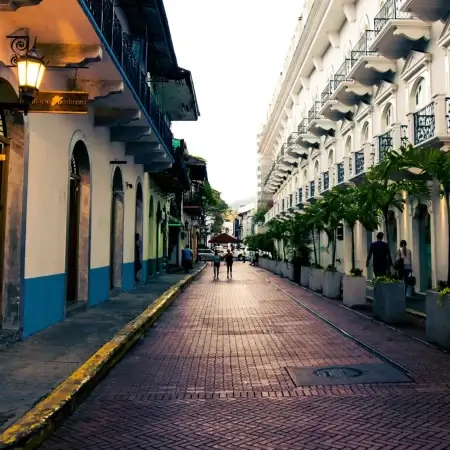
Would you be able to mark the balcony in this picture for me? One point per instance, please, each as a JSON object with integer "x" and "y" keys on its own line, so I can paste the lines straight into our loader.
{"x": 430, "y": 127}
{"x": 300, "y": 198}
{"x": 122, "y": 46}
{"x": 332, "y": 109}
{"x": 427, "y": 10}
{"x": 368, "y": 68}
{"x": 326, "y": 181}
{"x": 293, "y": 149}
{"x": 319, "y": 125}
{"x": 385, "y": 144}
{"x": 313, "y": 192}
{"x": 304, "y": 138}
{"x": 397, "y": 33}
{"x": 345, "y": 90}
{"x": 340, "y": 173}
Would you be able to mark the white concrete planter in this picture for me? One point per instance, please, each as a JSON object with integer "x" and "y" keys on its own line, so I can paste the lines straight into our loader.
{"x": 304, "y": 275}
{"x": 285, "y": 269}
{"x": 331, "y": 286}
{"x": 290, "y": 273}
{"x": 389, "y": 302}
{"x": 354, "y": 291}
{"x": 263, "y": 263}
{"x": 270, "y": 265}
{"x": 316, "y": 279}
{"x": 276, "y": 267}
{"x": 438, "y": 319}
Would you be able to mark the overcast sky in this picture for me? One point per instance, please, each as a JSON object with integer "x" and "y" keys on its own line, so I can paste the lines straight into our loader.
{"x": 235, "y": 50}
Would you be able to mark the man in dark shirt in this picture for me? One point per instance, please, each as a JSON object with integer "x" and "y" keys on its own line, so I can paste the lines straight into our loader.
{"x": 229, "y": 262}
{"x": 381, "y": 255}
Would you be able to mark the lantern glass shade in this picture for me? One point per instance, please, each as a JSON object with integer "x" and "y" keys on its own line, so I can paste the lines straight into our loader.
{"x": 31, "y": 69}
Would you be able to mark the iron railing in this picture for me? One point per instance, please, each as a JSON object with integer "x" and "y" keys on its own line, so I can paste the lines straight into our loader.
{"x": 341, "y": 74}
{"x": 326, "y": 181}
{"x": 312, "y": 189}
{"x": 302, "y": 126}
{"x": 359, "y": 162}
{"x": 290, "y": 200}
{"x": 124, "y": 48}
{"x": 282, "y": 204}
{"x": 362, "y": 47}
{"x": 389, "y": 11}
{"x": 340, "y": 173}
{"x": 313, "y": 113}
{"x": 447, "y": 114}
{"x": 404, "y": 138}
{"x": 385, "y": 144}
{"x": 424, "y": 124}
{"x": 296, "y": 198}
{"x": 327, "y": 92}
{"x": 300, "y": 196}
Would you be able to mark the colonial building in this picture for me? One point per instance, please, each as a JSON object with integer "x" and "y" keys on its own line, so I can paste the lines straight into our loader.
{"x": 81, "y": 170}
{"x": 361, "y": 77}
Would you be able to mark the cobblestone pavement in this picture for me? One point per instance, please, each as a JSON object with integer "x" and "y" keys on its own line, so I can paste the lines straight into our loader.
{"x": 212, "y": 374}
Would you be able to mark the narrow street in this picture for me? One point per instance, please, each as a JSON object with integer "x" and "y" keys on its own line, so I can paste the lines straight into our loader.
{"x": 222, "y": 368}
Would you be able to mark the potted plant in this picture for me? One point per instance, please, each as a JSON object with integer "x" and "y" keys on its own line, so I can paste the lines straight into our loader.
{"x": 355, "y": 207}
{"x": 418, "y": 165}
{"x": 332, "y": 216}
{"x": 389, "y": 300}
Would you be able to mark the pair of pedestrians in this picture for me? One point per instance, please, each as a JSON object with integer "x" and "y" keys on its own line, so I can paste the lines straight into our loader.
{"x": 228, "y": 262}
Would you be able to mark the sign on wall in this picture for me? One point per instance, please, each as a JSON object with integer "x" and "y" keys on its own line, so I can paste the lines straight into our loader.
{"x": 60, "y": 102}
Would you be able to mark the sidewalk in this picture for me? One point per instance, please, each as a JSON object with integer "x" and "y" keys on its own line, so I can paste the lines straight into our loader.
{"x": 233, "y": 364}
{"x": 29, "y": 370}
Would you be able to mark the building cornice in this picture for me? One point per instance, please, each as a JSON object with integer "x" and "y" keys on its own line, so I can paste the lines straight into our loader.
{"x": 309, "y": 33}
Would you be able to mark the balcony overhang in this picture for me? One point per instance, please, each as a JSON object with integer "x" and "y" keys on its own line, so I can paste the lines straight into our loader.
{"x": 296, "y": 151}
{"x": 147, "y": 153}
{"x": 308, "y": 140}
{"x": 178, "y": 96}
{"x": 322, "y": 127}
{"x": 427, "y": 10}
{"x": 197, "y": 168}
{"x": 399, "y": 36}
{"x": 335, "y": 111}
{"x": 351, "y": 93}
{"x": 370, "y": 70}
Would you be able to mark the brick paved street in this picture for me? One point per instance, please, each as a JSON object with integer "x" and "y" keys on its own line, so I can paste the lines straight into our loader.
{"x": 212, "y": 374}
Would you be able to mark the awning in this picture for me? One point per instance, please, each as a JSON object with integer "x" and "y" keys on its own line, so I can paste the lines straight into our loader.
{"x": 223, "y": 239}
{"x": 174, "y": 222}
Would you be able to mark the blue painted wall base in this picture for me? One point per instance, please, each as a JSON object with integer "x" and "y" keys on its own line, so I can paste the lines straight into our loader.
{"x": 98, "y": 285}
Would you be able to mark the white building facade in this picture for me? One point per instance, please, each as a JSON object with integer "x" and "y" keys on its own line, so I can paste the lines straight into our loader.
{"x": 362, "y": 77}
{"x": 246, "y": 226}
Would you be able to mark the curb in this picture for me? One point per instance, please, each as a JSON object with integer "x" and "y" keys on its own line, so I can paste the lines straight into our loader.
{"x": 33, "y": 428}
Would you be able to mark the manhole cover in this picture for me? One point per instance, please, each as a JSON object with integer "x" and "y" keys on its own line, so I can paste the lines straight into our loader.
{"x": 338, "y": 372}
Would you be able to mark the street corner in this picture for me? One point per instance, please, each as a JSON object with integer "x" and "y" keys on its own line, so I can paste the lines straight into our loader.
{"x": 39, "y": 422}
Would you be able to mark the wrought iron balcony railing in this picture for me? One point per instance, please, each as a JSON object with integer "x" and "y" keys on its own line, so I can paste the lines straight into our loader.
{"x": 404, "y": 139}
{"x": 300, "y": 196}
{"x": 362, "y": 47}
{"x": 314, "y": 111}
{"x": 326, "y": 181}
{"x": 123, "y": 47}
{"x": 302, "y": 126}
{"x": 424, "y": 124}
{"x": 389, "y": 11}
{"x": 340, "y": 173}
{"x": 341, "y": 74}
{"x": 312, "y": 189}
{"x": 282, "y": 205}
{"x": 359, "y": 162}
{"x": 296, "y": 198}
{"x": 327, "y": 92}
{"x": 290, "y": 200}
{"x": 447, "y": 115}
{"x": 385, "y": 144}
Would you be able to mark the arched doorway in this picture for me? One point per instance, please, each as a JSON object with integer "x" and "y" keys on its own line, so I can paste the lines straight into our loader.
{"x": 151, "y": 242}
{"x": 116, "y": 253}
{"x": 422, "y": 248}
{"x": 392, "y": 233}
{"x": 158, "y": 238}
{"x": 78, "y": 236}
{"x": 139, "y": 219}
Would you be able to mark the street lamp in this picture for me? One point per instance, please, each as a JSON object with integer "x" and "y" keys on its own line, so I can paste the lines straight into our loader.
{"x": 30, "y": 70}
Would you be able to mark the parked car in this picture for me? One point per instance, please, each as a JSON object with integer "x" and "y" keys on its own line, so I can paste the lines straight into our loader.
{"x": 239, "y": 253}
{"x": 205, "y": 254}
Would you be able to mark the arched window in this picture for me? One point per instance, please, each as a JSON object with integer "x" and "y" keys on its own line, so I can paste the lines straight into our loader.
{"x": 305, "y": 176}
{"x": 348, "y": 146}
{"x": 365, "y": 133}
{"x": 316, "y": 169}
{"x": 419, "y": 94}
{"x": 387, "y": 117}
{"x": 330, "y": 158}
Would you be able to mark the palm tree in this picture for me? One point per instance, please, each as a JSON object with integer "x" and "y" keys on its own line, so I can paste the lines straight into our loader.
{"x": 299, "y": 239}
{"x": 418, "y": 165}
{"x": 357, "y": 207}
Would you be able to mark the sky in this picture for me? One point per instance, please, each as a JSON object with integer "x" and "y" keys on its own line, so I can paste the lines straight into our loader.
{"x": 235, "y": 50}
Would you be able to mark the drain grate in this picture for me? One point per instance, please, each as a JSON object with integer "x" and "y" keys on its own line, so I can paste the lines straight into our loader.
{"x": 340, "y": 372}
{"x": 354, "y": 374}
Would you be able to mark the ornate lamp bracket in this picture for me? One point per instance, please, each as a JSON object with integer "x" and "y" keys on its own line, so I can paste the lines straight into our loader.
{"x": 19, "y": 44}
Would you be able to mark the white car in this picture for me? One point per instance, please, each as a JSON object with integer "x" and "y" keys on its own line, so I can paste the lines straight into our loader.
{"x": 205, "y": 254}
{"x": 239, "y": 253}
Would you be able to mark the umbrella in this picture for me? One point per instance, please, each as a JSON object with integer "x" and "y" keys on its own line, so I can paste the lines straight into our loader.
{"x": 223, "y": 239}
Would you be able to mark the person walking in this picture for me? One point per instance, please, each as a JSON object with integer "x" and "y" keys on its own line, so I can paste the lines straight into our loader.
{"x": 186, "y": 258}
{"x": 244, "y": 255}
{"x": 137, "y": 258}
{"x": 216, "y": 264}
{"x": 229, "y": 262}
{"x": 380, "y": 255}
{"x": 403, "y": 263}
{"x": 256, "y": 258}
